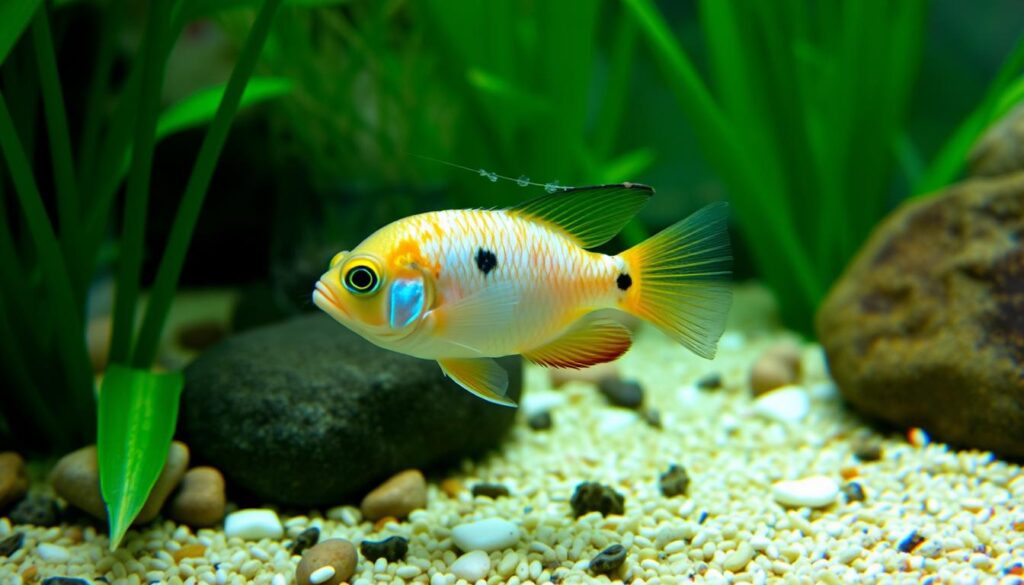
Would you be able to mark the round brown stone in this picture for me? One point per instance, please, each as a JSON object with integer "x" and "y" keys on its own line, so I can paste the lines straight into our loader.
{"x": 398, "y": 496}
{"x": 336, "y": 553}
{"x": 200, "y": 500}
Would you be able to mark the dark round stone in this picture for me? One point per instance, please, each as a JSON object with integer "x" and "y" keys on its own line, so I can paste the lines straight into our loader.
{"x": 64, "y": 581}
{"x": 392, "y": 549}
{"x": 853, "y": 491}
{"x": 674, "y": 482}
{"x": 540, "y": 421}
{"x": 307, "y": 398}
{"x": 867, "y": 450}
{"x": 490, "y": 490}
{"x": 711, "y": 381}
{"x": 609, "y": 560}
{"x": 36, "y": 510}
{"x": 591, "y": 496}
{"x": 652, "y": 416}
{"x": 307, "y": 538}
{"x": 624, "y": 393}
{"x": 911, "y": 542}
{"x": 11, "y": 544}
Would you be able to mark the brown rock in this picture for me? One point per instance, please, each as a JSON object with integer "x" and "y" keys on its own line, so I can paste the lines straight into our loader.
{"x": 1000, "y": 150}
{"x": 188, "y": 551}
{"x": 334, "y": 552}
{"x": 398, "y": 496}
{"x": 769, "y": 373}
{"x": 13, "y": 479}
{"x": 76, "y": 478}
{"x": 926, "y": 326}
{"x": 200, "y": 500}
{"x": 788, "y": 353}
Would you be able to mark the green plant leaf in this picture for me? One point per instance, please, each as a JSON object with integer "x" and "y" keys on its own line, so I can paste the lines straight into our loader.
{"x": 14, "y": 18}
{"x": 138, "y": 411}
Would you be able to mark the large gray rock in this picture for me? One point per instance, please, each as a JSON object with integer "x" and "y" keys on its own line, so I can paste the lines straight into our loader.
{"x": 308, "y": 413}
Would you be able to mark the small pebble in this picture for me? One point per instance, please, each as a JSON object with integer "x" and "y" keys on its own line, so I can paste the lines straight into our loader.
{"x": 200, "y": 500}
{"x": 305, "y": 539}
{"x": 451, "y": 487}
{"x": 391, "y": 549}
{"x": 738, "y": 559}
{"x": 711, "y": 381}
{"x": 787, "y": 353}
{"x": 595, "y": 497}
{"x": 608, "y": 560}
{"x": 867, "y": 450}
{"x": 398, "y": 496}
{"x": 918, "y": 437}
{"x": 624, "y": 393}
{"x": 253, "y": 524}
{"x": 486, "y": 535}
{"x": 490, "y": 490}
{"x": 910, "y": 542}
{"x": 188, "y": 551}
{"x": 813, "y": 492}
{"x": 674, "y": 482}
{"x": 36, "y": 510}
{"x": 13, "y": 478}
{"x": 335, "y": 554}
{"x": 652, "y": 416}
{"x": 768, "y": 373}
{"x": 64, "y": 581}
{"x": 52, "y": 553}
{"x": 787, "y": 404}
{"x": 472, "y": 566}
{"x": 11, "y": 544}
{"x": 540, "y": 421}
{"x": 853, "y": 492}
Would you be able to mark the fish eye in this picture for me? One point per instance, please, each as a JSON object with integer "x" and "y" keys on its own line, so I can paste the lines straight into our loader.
{"x": 361, "y": 280}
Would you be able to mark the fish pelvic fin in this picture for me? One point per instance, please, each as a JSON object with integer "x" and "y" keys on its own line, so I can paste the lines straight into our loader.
{"x": 481, "y": 376}
{"x": 678, "y": 280}
{"x": 588, "y": 342}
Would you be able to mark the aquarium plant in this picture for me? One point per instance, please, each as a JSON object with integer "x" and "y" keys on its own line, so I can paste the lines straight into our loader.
{"x": 50, "y": 253}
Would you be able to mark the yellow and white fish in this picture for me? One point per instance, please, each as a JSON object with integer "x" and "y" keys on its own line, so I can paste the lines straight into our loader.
{"x": 465, "y": 286}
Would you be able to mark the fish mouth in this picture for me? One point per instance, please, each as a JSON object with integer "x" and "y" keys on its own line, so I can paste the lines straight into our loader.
{"x": 324, "y": 299}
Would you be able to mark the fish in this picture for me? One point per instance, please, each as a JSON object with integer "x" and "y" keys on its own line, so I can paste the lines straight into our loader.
{"x": 466, "y": 286}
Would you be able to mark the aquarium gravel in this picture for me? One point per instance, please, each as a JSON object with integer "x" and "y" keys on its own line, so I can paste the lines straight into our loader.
{"x": 892, "y": 512}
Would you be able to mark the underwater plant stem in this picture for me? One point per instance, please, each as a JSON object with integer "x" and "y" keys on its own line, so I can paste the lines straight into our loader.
{"x": 617, "y": 87}
{"x": 99, "y": 90}
{"x": 195, "y": 191}
{"x": 137, "y": 190}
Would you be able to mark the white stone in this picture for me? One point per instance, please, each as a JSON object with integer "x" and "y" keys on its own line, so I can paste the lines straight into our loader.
{"x": 253, "y": 524}
{"x": 533, "y": 403}
{"x": 53, "y": 553}
{"x": 472, "y": 566}
{"x": 786, "y": 404}
{"x": 813, "y": 492}
{"x": 486, "y": 535}
{"x": 613, "y": 420}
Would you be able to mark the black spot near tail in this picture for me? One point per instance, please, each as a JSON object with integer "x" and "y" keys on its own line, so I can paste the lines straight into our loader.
{"x": 624, "y": 281}
{"x": 486, "y": 261}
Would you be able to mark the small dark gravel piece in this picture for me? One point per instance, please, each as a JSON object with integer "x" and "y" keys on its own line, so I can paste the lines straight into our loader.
{"x": 64, "y": 581}
{"x": 867, "y": 450}
{"x": 11, "y": 544}
{"x": 591, "y": 496}
{"x": 710, "y": 381}
{"x": 912, "y": 541}
{"x": 853, "y": 492}
{"x": 540, "y": 421}
{"x": 652, "y": 416}
{"x": 36, "y": 510}
{"x": 307, "y": 538}
{"x": 674, "y": 482}
{"x": 608, "y": 560}
{"x": 624, "y": 393}
{"x": 491, "y": 490}
{"x": 392, "y": 549}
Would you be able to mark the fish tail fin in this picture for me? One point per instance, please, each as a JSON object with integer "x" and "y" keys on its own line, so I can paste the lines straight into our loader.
{"x": 678, "y": 279}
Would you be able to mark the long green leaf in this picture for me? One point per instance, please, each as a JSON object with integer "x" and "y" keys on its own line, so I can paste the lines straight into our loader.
{"x": 14, "y": 18}
{"x": 138, "y": 411}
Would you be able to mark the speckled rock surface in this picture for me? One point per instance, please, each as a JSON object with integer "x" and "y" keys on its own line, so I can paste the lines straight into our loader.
{"x": 926, "y": 327}
{"x": 328, "y": 413}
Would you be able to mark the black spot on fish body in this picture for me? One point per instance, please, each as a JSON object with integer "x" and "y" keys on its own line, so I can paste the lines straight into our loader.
{"x": 486, "y": 261}
{"x": 624, "y": 281}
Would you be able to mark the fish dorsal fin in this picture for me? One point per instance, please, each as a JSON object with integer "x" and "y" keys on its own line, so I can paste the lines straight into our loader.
{"x": 589, "y": 215}
{"x": 593, "y": 341}
{"x": 481, "y": 376}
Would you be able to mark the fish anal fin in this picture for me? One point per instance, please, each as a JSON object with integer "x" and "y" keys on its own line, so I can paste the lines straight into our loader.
{"x": 481, "y": 376}
{"x": 594, "y": 341}
{"x": 590, "y": 216}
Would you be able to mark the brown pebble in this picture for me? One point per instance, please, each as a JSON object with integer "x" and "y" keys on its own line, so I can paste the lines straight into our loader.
{"x": 788, "y": 353}
{"x": 200, "y": 500}
{"x": 848, "y": 472}
{"x": 398, "y": 496}
{"x": 382, "y": 522}
{"x": 769, "y": 373}
{"x": 29, "y": 575}
{"x": 334, "y": 552}
{"x": 189, "y": 551}
{"x": 13, "y": 479}
{"x": 452, "y": 487}
{"x": 592, "y": 375}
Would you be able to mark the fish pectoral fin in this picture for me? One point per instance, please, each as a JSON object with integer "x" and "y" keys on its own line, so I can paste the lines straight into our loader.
{"x": 478, "y": 315}
{"x": 481, "y": 376}
{"x": 590, "y": 342}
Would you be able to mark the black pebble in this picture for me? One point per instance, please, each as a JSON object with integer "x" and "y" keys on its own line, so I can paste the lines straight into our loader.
{"x": 853, "y": 492}
{"x": 307, "y": 538}
{"x": 37, "y": 511}
{"x": 491, "y": 490}
{"x": 392, "y": 549}
{"x": 64, "y": 581}
{"x": 608, "y": 560}
{"x": 11, "y": 544}
{"x": 867, "y": 450}
{"x": 652, "y": 416}
{"x": 540, "y": 421}
{"x": 912, "y": 541}
{"x": 674, "y": 482}
{"x": 591, "y": 496}
{"x": 624, "y": 393}
{"x": 711, "y": 381}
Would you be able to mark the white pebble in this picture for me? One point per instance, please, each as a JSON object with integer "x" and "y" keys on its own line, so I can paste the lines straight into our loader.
{"x": 53, "y": 553}
{"x": 278, "y": 580}
{"x": 614, "y": 420}
{"x": 253, "y": 524}
{"x": 814, "y": 492}
{"x": 472, "y": 566}
{"x": 321, "y": 575}
{"x": 540, "y": 401}
{"x": 487, "y": 535}
{"x": 786, "y": 404}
